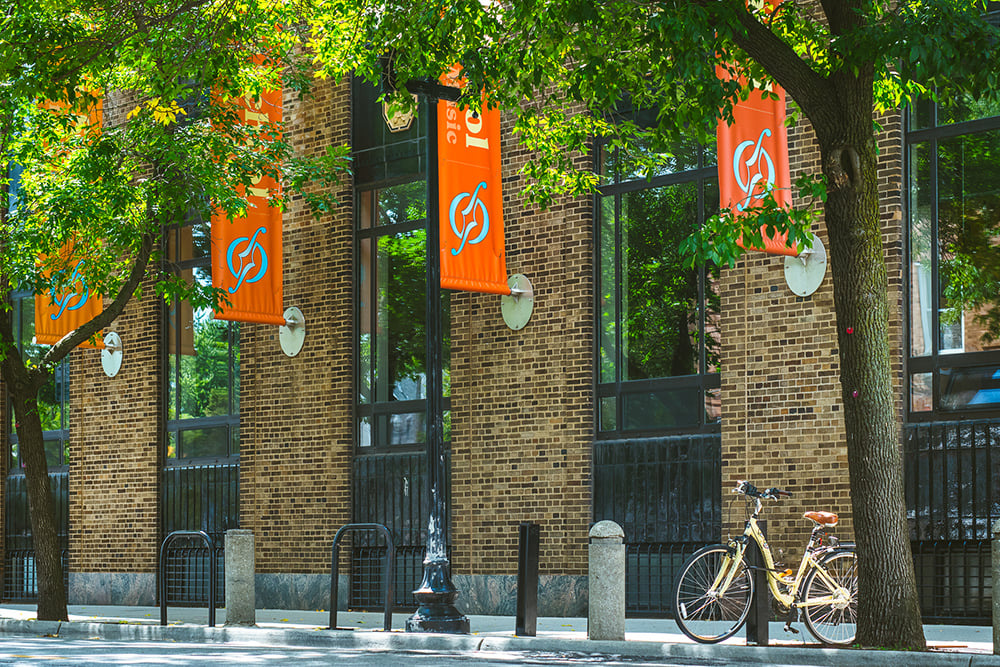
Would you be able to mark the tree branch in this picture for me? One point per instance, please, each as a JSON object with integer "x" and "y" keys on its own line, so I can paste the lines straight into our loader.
{"x": 810, "y": 90}
{"x": 67, "y": 343}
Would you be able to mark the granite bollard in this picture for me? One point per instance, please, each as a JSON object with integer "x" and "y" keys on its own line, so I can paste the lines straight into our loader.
{"x": 606, "y": 608}
{"x": 240, "y": 592}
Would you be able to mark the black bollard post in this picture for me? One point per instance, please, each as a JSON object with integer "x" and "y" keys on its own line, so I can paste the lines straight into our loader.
{"x": 527, "y": 580}
{"x": 760, "y": 603}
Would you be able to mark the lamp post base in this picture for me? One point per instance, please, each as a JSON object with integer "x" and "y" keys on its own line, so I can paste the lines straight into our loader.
{"x": 437, "y": 612}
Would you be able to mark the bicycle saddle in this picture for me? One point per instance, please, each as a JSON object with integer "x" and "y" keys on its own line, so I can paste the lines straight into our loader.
{"x": 825, "y": 519}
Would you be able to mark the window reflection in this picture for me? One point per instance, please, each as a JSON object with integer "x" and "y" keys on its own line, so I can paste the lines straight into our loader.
{"x": 657, "y": 319}
{"x": 954, "y": 227}
{"x": 968, "y": 227}
{"x": 975, "y": 387}
{"x": 660, "y": 296}
{"x": 203, "y": 356}
{"x": 392, "y": 304}
{"x": 401, "y": 348}
{"x": 921, "y": 392}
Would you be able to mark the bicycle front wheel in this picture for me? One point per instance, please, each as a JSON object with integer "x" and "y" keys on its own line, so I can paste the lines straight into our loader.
{"x": 705, "y": 615}
{"x": 833, "y": 621}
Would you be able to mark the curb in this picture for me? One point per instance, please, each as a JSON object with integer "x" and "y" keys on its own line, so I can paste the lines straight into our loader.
{"x": 402, "y": 641}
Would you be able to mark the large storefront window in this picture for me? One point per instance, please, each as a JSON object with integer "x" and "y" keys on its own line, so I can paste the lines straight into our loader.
{"x": 203, "y": 358}
{"x": 953, "y": 160}
{"x": 658, "y": 333}
{"x": 391, "y": 232}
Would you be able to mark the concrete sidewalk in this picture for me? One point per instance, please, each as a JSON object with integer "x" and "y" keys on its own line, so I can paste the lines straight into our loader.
{"x": 958, "y": 646}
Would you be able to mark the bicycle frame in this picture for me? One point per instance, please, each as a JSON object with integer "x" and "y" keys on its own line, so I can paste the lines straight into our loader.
{"x": 789, "y": 599}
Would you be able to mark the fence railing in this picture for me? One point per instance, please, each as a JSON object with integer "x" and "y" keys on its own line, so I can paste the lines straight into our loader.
{"x": 665, "y": 493}
{"x": 202, "y": 497}
{"x": 390, "y": 488}
{"x": 20, "y": 583}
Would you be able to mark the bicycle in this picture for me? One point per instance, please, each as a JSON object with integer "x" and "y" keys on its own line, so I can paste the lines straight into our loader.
{"x": 713, "y": 591}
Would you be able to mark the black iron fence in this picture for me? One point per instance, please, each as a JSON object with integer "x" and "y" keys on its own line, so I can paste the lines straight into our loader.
{"x": 952, "y": 474}
{"x": 391, "y": 489}
{"x": 954, "y": 581}
{"x": 202, "y": 497}
{"x": 20, "y": 581}
{"x": 666, "y": 495}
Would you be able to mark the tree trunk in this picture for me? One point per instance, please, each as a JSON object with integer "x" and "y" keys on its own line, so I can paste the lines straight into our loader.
{"x": 888, "y": 606}
{"x": 44, "y": 529}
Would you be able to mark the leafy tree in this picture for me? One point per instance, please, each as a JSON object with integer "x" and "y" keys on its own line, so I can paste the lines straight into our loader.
{"x": 841, "y": 61}
{"x": 111, "y": 191}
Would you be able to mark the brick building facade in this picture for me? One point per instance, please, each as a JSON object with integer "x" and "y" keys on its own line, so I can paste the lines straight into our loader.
{"x": 530, "y": 440}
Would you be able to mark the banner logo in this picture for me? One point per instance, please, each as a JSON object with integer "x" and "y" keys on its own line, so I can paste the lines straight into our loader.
{"x": 252, "y": 256}
{"x": 749, "y": 185}
{"x": 64, "y": 303}
{"x": 469, "y": 218}
{"x": 752, "y": 169}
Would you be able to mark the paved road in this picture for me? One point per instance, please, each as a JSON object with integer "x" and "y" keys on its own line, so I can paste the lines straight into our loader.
{"x": 29, "y": 651}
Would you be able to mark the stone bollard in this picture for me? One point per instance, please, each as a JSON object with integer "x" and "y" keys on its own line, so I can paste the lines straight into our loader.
{"x": 995, "y": 558}
{"x": 240, "y": 592}
{"x": 606, "y": 608}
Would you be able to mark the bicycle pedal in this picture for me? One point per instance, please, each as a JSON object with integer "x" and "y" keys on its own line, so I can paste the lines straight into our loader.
{"x": 789, "y": 628}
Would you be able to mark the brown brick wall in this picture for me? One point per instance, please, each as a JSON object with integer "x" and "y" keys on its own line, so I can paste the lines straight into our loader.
{"x": 522, "y": 421}
{"x": 295, "y": 413}
{"x": 116, "y": 430}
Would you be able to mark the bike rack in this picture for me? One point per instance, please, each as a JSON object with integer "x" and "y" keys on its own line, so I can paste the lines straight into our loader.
{"x": 389, "y": 551}
{"x": 211, "y": 572}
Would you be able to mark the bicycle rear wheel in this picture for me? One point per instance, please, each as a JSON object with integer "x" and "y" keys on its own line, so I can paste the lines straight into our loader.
{"x": 702, "y": 614}
{"x": 834, "y": 622}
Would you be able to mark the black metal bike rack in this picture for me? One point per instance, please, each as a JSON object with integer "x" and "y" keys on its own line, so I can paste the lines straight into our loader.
{"x": 389, "y": 556}
{"x": 211, "y": 572}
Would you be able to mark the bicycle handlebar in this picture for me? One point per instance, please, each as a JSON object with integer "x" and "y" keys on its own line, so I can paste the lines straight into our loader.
{"x": 748, "y": 489}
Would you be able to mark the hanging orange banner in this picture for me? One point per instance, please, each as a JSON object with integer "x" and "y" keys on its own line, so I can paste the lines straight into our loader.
{"x": 247, "y": 252}
{"x": 470, "y": 198}
{"x": 753, "y": 160}
{"x": 59, "y": 313}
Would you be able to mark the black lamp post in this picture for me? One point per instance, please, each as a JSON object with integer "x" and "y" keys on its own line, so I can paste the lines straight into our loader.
{"x": 436, "y": 594}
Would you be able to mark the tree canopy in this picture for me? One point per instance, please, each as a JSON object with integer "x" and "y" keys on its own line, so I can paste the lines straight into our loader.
{"x": 119, "y": 119}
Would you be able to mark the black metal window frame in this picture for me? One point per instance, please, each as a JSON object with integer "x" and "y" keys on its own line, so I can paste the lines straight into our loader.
{"x": 703, "y": 382}
{"x": 389, "y": 162}
{"x": 937, "y": 362}
{"x": 176, "y": 428}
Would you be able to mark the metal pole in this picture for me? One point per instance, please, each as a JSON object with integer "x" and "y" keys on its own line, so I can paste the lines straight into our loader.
{"x": 526, "y": 620}
{"x": 760, "y": 604}
{"x": 436, "y": 595}
{"x": 995, "y": 560}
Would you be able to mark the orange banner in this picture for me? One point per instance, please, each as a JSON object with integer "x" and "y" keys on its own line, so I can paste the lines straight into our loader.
{"x": 470, "y": 198}
{"x": 247, "y": 252}
{"x": 753, "y": 160}
{"x": 59, "y": 313}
